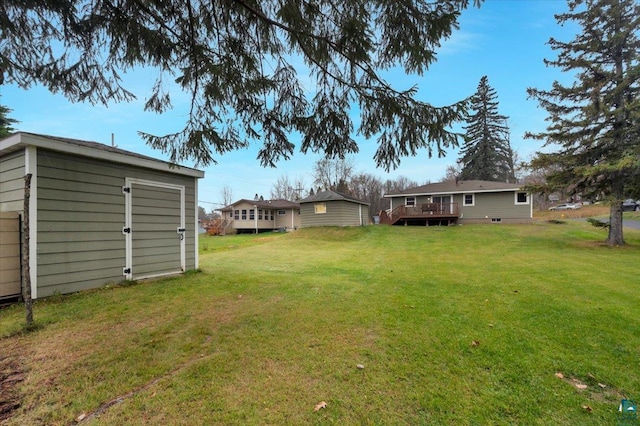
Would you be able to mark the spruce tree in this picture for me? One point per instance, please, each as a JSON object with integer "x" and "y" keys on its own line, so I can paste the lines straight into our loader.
{"x": 6, "y": 122}
{"x": 594, "y": 121}
{"x": 236, "y": 63}
{"x": 486, "y": 153}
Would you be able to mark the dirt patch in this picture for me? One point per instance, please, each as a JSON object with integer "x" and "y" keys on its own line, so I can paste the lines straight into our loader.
{"x": 11, "y": 375}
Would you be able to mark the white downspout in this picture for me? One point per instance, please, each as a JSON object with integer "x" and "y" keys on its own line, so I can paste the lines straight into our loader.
{"x": 255, "y": 217}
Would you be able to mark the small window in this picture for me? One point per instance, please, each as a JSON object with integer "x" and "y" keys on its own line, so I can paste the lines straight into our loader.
{"x": 271, "y": 214}
{"x": 522, "y": 198}
{"x": 244, "y": 214}
{"x": 236, "y": 214}
{"x": 252, "y": 214}
{"x": 469, "y": 200}
{"x": 282, "y": 212}
{"x": 410, "y": 201}
{"x": 260, "y": 214}
{"x": 320, "y": 208}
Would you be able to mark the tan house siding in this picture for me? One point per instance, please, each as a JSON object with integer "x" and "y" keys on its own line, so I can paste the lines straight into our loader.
{"x": 81, "y": 213}
{"x": 270, "y": 220}
{"x": 12, "y": 171}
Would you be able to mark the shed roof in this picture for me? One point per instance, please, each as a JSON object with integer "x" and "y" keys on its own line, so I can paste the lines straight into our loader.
{"x": 459, "y": 187}
{"x": 330, "y": 195}
{"x": 264, "y": 204}
{"x": 20, "y": 140}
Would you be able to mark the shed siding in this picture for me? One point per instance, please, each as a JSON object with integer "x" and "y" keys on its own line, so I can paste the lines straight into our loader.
{"x": 9, "y": 254}
{"x": 12, "y": 171}
{"x": 339, "y": 213}
{"x": 81, "y": 213}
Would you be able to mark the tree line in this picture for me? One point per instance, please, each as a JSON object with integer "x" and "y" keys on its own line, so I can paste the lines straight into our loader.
{"x": 234, "y": 61}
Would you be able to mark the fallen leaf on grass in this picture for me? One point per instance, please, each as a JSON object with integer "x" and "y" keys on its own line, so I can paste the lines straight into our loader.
{"x": 475, "y": 343}
{"x": 587, "y": 408}
{"x": 320, "y": 405}
{"x": 602, "y": 385}
{"x": 581, "y": 386}
{"x": 559, "y": 375}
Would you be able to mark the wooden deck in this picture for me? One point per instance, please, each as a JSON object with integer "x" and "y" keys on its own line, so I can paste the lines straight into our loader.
{"x": 428, "y": 214}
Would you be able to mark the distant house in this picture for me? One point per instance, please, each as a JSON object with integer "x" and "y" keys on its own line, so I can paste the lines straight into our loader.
{"x": 331, "y": 208}
{"x": 254, "y": 216}
{"x": 447, "y": 203}
{"x": 97, "y": 214}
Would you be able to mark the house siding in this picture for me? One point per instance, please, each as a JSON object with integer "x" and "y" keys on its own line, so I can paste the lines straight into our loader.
{"x": 488, "y": 206}
{"x": 81, "y": 213}
{"x": 12, "y": 171}
{"x": 339, "y": 213}
{"x": 277, "y": 222}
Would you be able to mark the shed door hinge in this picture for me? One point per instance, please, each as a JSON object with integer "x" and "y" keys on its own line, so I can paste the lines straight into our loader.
{"x": 126, "y": 190}
{"x": 126, "y": 271}
{"x": 126, "y": 230}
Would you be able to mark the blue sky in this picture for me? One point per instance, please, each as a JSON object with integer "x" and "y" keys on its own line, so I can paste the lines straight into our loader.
{"x": 503, "y": 39}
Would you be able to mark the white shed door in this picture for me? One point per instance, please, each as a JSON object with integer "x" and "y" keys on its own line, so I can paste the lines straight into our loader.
{"x": 154, "y": 229}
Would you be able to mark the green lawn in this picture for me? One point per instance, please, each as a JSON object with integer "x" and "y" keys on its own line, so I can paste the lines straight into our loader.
{"x": 453, "y": 325}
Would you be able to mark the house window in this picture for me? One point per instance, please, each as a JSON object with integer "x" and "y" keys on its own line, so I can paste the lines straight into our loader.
{"x": 252, "y": 214}
{"x": 320, "y": 208}
{"x": 260, "y": 214}
{"x": 244, "y": 214}
{"x": 282, "y": 212}
{"x": 410, "y": 201}
{"x": 522, "y": 198}
{"x": 271, "y": 214}
{"x": 469, "y": 200}
{"x": 236, "y": 214}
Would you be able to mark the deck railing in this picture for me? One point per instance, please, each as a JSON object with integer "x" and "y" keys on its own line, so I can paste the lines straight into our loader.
{"x": 424, "y": 211}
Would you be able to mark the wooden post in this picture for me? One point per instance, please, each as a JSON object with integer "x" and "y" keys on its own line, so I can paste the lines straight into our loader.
{"x": 26, "y": 270}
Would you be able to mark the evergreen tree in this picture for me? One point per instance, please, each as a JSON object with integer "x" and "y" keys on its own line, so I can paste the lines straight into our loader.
{"x": 486, "y": 153}
{"x": 6, "y": 122}
{"x": 233, "y": 59}
{"x": 594, "y": 122}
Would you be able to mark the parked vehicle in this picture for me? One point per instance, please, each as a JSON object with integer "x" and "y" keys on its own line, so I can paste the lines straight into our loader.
{"x": 630, "y": 205}
{"x": 566, "y": 206}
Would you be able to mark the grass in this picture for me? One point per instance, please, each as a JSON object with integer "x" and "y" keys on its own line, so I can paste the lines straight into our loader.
{"x": 453, "y": 325}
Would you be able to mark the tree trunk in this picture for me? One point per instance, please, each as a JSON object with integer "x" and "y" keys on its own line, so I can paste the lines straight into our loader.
{"x": 615, "y": 237}
{"x": 26, "y": 270}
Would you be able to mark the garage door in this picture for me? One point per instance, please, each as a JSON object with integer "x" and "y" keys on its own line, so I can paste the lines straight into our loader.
{"x": 154, "y": 229}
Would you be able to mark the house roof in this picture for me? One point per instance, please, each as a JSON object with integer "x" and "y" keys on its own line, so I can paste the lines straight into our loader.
{"x": 329, "y": 195}
{"x": 20, "y": 140}
{"x": 459, "y": 187}
{"x": 264, "y": 204}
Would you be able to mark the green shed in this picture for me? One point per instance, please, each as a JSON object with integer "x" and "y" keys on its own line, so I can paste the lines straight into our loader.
{"x": 98, "y": 214}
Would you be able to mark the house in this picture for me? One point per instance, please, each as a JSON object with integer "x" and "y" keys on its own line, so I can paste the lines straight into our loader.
{"x": 97, "y": 214}
{"x": 331, "y": 208}
{"x": 459, "y": 202}
{"x": 259, "y": 215}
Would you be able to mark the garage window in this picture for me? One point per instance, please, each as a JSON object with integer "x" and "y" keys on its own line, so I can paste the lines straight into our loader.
{"x": 320, "y": 208}
{"x": 522, "y": 198}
